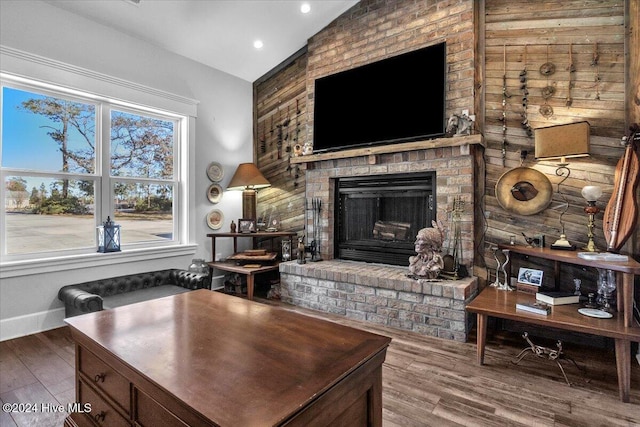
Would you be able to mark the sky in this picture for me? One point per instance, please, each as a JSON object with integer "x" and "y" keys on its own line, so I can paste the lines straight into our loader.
{"x": 25, "y": 143}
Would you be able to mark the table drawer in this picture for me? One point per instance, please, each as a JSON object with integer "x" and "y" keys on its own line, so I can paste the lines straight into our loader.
{"x": 102, "y": 413}
{"x": 149, "y": 413}
{"x": 105, "y": 378}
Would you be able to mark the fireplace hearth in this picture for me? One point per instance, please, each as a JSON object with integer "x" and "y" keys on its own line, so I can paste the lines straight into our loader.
{"x": 377, "y": 217}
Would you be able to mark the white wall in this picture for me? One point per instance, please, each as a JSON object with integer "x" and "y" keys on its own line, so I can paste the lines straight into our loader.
{"x": 223, "y": 132}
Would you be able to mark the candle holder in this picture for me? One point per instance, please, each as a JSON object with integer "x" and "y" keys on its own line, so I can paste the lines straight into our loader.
{"x": 591, "y": 193}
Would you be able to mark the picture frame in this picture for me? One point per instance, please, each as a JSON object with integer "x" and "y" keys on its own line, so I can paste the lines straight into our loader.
{"x": 286, "y": 250}
{"x": 530, "y": 276}
{"x": 246, "y": 225}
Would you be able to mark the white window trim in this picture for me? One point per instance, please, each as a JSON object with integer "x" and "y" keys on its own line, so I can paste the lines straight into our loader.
{"x": 20, "y": 66}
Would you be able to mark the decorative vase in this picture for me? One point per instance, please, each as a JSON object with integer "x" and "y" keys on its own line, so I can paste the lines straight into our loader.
{"x": 199, "y": 266}
{"x": 606, "y": 289}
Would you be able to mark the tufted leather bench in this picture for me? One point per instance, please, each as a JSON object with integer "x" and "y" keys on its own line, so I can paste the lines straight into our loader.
{"x": 102, "y": 294}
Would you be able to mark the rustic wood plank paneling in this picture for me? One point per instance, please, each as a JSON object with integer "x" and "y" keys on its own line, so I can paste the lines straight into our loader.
{"x": 633, "y": 93}
{"x": 524, "y": 35}
{"x": 281, "y": 121}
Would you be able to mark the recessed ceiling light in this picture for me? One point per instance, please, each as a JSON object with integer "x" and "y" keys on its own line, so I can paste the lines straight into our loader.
{"x": 305, "y": 8}
{"x": 258, "y": 44}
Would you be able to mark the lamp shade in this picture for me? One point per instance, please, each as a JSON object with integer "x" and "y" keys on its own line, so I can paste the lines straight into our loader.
{"x": 591, "y": 193}
{"x": 247, "y": 176}
{"x": 562, "y": 141}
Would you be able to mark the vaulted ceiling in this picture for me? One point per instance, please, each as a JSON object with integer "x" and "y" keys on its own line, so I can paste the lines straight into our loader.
{"x": 218, "y": 33}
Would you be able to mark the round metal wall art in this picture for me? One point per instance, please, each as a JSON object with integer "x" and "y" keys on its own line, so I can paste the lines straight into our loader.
{"x": 547, "y": 69}
{"x": 524, "y": 191}
{"x": 548, "y": 91}
{"x": 546, "y": 110}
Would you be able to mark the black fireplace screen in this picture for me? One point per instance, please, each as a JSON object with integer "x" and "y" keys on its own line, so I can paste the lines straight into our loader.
{"x": 378, "y": 217}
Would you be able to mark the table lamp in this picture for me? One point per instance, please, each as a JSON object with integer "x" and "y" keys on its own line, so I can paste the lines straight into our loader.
{"x": 248, "y": 179}
{"x": 562, "y": 142}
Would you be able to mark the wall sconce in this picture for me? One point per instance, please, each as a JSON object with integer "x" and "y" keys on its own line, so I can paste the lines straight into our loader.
{"x": 591, "y": 193}
{"x": 248, "y": 179}
{"x": 562, "y": 142}
{"x": 109, "y": 236}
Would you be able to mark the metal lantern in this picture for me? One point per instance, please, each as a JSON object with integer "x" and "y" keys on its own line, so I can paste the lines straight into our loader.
{"x": 109, "y": 236}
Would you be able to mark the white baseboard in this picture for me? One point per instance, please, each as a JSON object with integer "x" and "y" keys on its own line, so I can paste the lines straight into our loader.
{"x": 20, "y": 326}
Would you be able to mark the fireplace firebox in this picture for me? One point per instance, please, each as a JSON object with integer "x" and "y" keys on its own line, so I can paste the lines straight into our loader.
{"x": 378, "y": 217}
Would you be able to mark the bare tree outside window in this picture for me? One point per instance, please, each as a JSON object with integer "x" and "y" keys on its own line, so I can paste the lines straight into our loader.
{"x": 52, "y": 182}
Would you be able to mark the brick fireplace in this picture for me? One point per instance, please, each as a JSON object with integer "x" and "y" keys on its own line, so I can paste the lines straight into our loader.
{"x": 383, "y": 293}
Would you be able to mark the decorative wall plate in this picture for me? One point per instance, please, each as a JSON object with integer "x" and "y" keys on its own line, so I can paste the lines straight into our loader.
{"x": 215, "y": 218}
{"x": 214, "y": 193}
{"x": 215, "y": 171}
{"x": 524, "y": 191}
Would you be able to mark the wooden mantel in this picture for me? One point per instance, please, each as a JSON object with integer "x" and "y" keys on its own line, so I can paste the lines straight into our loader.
{"x": 455, "y": 141}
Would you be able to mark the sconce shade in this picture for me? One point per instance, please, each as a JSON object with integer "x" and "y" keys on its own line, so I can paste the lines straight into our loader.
{"x": 247, "y": 176}
{"x": 248, "y": 179}
{"x": 562, "y": 141}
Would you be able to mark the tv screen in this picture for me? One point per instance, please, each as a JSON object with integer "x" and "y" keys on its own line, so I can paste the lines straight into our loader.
{"x": 398, "y": 99}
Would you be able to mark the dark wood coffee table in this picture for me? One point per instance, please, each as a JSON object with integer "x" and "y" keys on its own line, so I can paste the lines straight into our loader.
{"x": 204, "y": 358}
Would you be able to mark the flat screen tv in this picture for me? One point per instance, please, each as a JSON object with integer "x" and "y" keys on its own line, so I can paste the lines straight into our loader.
{"x": 398, "y": 99}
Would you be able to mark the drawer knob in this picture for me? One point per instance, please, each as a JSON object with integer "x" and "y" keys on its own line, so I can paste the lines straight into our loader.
{"x": 99, "y": 417}
{"x": 99, "y": 378}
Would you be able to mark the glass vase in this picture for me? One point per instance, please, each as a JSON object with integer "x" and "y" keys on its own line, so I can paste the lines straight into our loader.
{"x": 199, "y": 266}
{"x": 606, "y": 289}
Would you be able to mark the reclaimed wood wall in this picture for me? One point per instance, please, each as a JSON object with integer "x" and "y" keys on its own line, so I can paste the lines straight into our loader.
{"x": 519, "y": 37}
{"x": 280, "y": 108}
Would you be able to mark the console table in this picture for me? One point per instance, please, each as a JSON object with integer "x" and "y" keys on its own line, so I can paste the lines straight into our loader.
{"x": 502, "y": 304}
{"x": 207, "y": 359}
{"x": 249, "y": 272}
{"x": 271, "y": 235}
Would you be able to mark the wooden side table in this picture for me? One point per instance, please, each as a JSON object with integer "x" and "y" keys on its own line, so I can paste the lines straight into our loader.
{"x": 502, "y": 304}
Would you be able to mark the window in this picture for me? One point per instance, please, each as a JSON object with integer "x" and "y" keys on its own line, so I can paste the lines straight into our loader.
{"x": 69, "y": 160}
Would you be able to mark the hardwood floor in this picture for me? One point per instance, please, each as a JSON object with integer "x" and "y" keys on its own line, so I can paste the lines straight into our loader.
{"x": 38, "y": 371}
{"x": 426, "y": 382}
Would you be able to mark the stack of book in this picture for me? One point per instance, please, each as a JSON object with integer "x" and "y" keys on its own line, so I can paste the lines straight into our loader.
{"x": 557, "y": 298}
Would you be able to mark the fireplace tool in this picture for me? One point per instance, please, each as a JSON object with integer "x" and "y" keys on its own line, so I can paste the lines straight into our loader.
{"x": 452, "y": 261}
{"x": 314, "y": 246}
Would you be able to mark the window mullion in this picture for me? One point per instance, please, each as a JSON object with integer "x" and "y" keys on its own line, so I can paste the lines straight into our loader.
{"x": 105, "y": 192}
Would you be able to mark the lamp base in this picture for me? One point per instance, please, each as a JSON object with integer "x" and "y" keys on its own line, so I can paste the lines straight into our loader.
{"x": 563, "y": 244}
{"x": 591, "y": 246}
{"x": 249, "y": 204}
